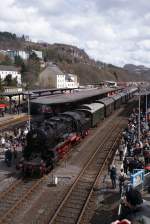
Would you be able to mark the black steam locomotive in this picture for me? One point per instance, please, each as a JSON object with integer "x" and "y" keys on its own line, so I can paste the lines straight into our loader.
{"x": 49, "y": 141}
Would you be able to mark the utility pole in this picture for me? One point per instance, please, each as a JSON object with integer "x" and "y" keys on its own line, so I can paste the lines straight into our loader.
{"x": 29, "y": 110}
{"x": 146, "y": 109}
{"x": 139, "y": 120}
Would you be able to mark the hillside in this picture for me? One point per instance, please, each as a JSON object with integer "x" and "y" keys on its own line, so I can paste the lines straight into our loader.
{"x": 73, "y": 60}
{"x": 11, "y": 41}
{"x": 140, "y": 71}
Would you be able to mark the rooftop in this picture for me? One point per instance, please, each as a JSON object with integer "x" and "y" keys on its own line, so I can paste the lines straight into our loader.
{"x": 70, "y": 97}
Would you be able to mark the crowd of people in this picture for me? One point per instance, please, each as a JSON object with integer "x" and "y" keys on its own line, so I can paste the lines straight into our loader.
{"x": 16, "y": 108}
{"x": 134, "y": 153}
{"x": 136, "y": 139}
{"x": 134, "y": 148}
{"x": 11, "y": 142}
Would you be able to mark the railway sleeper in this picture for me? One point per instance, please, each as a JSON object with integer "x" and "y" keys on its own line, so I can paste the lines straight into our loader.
{"x": 78, "y": 197}
{"x": 82, "y": 182}
{"x": 75, "y": 201}
{"x": 85, "y": 189}
{"x": 80, "y": 192}
{"x": 61, "y": 220}
{"x": 66, "y": 215}
{"x": 74, "y": 205}
{"x": 90, "y": 172}
{"x": 88, "y": 180}
{"x": 70, "y": 212}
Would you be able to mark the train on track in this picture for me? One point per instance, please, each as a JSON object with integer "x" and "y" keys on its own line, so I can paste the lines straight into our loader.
{"x": 50, "y": 140}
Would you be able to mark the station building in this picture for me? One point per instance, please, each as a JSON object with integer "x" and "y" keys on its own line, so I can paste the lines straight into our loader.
{"x": 53, "y": 77}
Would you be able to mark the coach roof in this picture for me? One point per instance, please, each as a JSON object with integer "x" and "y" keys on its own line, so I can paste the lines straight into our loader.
{"x": 106, "y": 101}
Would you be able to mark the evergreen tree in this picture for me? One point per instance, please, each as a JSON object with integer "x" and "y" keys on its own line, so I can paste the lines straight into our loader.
{"x": 8, "y": 81}
{"x": 18, "y": 61}
{"x": 1, "y": 85}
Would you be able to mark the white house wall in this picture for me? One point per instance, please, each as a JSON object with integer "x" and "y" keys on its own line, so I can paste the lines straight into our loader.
{"x": 60, "y": 81}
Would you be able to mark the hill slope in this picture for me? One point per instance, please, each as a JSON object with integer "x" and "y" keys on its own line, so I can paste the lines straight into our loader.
{"x": 74, "y": 60}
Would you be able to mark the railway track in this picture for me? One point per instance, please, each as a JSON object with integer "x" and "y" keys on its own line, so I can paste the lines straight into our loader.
{"x": 15, "y": 195}
{"x": 72, "y": 207}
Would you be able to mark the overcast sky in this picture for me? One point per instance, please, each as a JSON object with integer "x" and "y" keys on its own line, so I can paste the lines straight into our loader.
{"x": 113, "y": 31}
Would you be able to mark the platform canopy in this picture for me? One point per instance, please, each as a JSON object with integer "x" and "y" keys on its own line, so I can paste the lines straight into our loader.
{"x": 70, "y": 97}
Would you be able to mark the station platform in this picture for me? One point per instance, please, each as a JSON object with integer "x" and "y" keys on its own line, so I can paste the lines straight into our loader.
{"x": 109, "y": 199}
{"x": 9, "y": 120}
{"x": 11, "y": 116}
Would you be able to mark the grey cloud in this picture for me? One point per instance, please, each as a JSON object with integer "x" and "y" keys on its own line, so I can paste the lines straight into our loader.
{"x": 115, "y": 31}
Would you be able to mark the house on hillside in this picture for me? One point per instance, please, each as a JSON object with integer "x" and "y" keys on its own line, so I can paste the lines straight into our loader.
{"x": 24, "y": 54}
{"x": 39, "y": 54}
{"x": 71, "y": 81}
{"x": 52, "y": 77}
{"x": 14, "y": 53}
{"x": 10, "y": 70}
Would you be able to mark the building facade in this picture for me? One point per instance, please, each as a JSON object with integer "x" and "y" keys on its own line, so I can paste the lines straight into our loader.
{"x": 39, "y": 54}
{"x": 60, "y": 81}
{"x": 52, "y": 77}
{"x": 10, "y": 70}
{"x": 22, "y": 54}
{"x": 71, "y": 81}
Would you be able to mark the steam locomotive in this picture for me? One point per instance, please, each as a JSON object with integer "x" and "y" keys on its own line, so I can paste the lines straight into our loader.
{"x": 50, "y": 140}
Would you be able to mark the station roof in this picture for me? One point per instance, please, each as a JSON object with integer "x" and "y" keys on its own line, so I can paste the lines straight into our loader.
{"x": 70, "y": 97}
{"x": 36, "y": 91}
